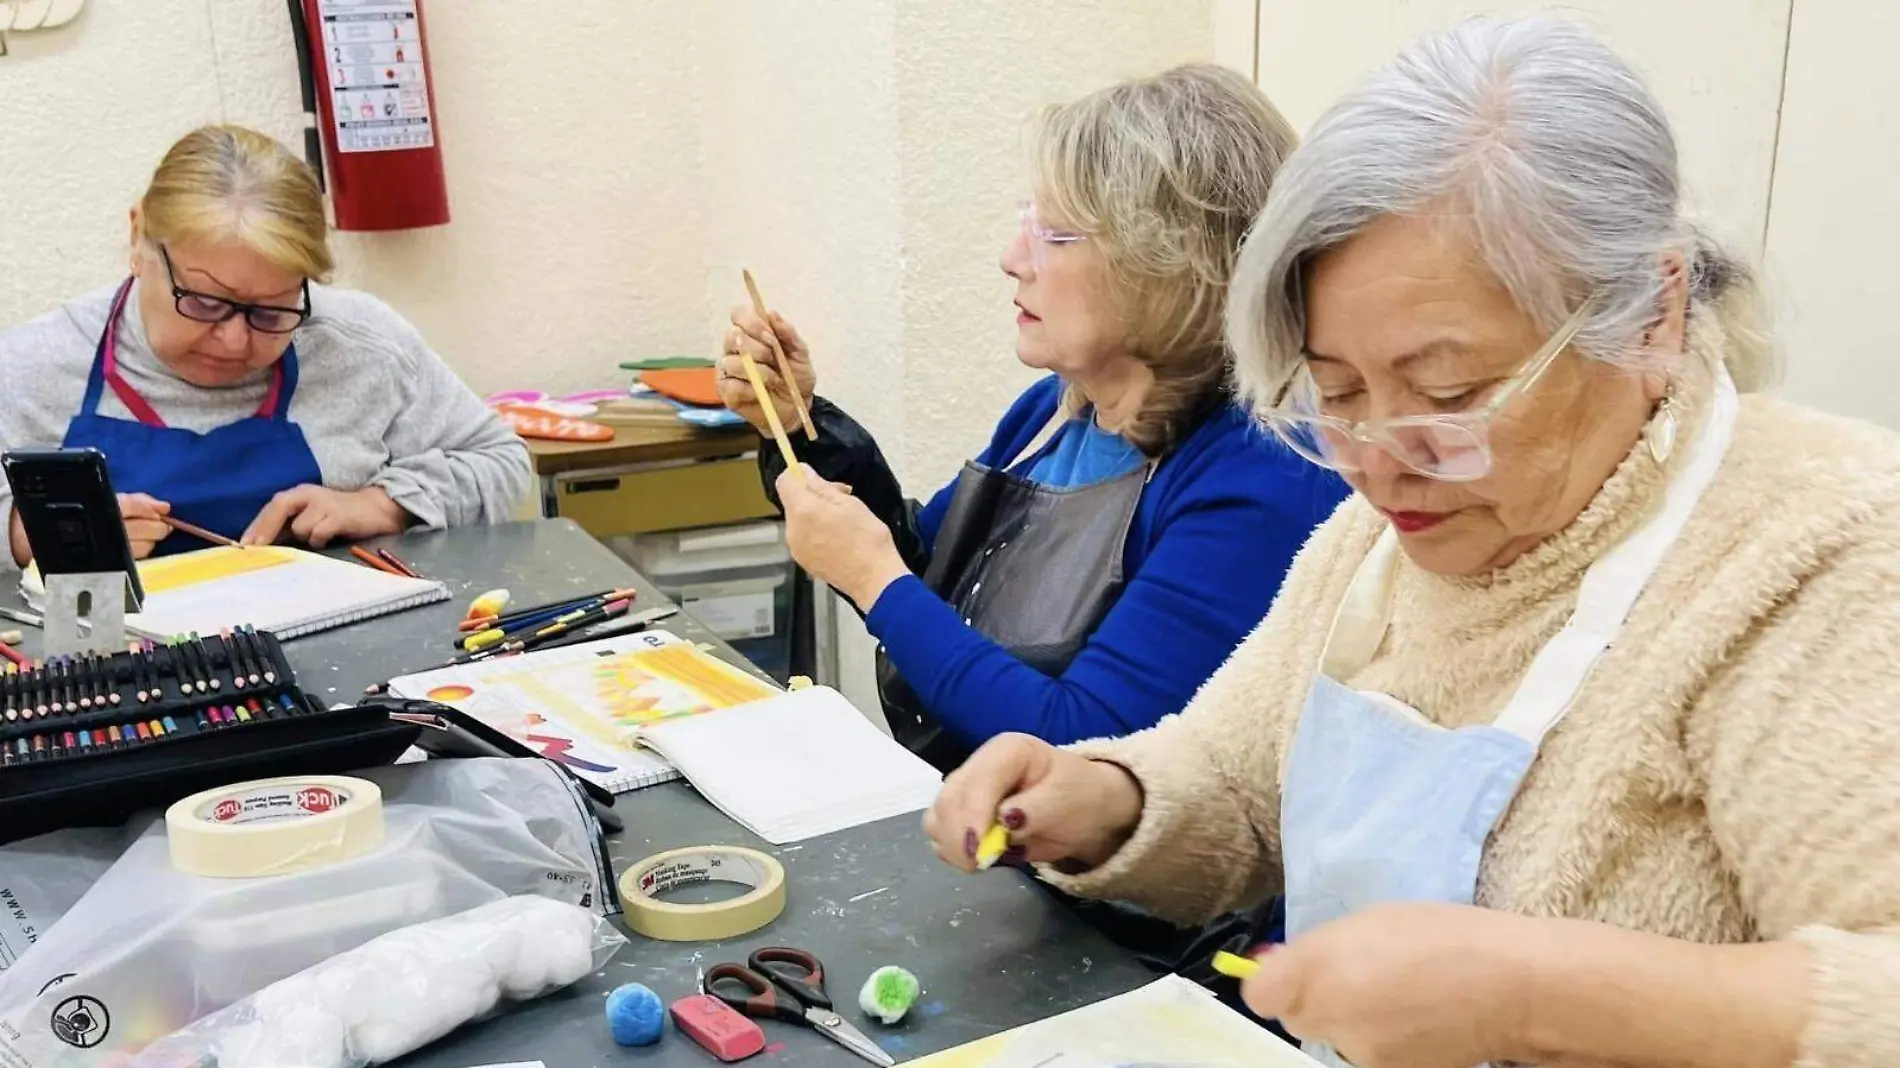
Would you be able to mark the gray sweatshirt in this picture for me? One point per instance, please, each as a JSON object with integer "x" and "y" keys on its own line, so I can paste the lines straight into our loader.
{"x": 376, "y": 406}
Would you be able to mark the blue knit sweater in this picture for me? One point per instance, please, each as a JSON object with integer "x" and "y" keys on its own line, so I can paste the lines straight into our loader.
{"x": 1212, "y": 539}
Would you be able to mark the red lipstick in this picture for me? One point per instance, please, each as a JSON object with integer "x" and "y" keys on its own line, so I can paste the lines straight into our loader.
{"x": 1416, "y": 522}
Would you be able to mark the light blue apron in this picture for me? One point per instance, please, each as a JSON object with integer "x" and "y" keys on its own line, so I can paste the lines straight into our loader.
{"x": 1380, "y": 804}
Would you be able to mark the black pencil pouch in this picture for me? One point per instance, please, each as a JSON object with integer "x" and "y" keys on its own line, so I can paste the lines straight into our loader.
{"x": 88, "y": 741}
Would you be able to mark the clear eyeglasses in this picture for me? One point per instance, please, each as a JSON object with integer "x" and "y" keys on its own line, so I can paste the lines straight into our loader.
{"x": 1450, "y": 447}
{"x": 1038, "y": 236}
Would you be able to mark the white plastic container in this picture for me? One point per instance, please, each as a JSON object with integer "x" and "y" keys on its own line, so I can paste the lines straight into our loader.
{"x": 736, "y": 580}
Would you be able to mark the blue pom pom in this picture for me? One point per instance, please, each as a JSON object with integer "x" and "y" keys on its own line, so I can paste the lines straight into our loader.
{"x": 636, "y": 1015}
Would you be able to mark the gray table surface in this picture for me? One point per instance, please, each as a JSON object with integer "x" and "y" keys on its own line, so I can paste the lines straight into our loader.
{"x": 993, "y": 951}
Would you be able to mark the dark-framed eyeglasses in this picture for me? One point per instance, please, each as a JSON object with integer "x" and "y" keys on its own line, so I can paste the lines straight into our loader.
{"x": 205, "y": 308}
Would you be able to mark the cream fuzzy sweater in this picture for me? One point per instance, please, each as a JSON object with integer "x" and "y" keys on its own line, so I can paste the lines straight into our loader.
{"x": 1729, "y": 773}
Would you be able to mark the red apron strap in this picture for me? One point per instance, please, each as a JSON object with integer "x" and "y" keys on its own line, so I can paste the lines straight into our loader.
{"x": 267, "y": 408}
{"x": 122, "y": 389}
{"x": 137, "y": 405}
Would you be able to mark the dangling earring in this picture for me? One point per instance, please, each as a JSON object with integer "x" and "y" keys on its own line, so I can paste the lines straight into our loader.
{"x": 1662, "y": 438}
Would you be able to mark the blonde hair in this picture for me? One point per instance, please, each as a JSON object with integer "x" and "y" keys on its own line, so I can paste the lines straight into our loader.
{"x": 228, "y": 183}
{"x": 1165, "y": 174}
{"x": 1547, "y": 152}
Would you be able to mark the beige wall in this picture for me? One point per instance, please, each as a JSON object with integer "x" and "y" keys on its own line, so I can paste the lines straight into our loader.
{"x": 610, "y": 173}
{"x": 1835, "y": 220}
{"x": 1784, "y": 112}
{"x": 609, "y": 179}
{"x": 1721, "y": 89}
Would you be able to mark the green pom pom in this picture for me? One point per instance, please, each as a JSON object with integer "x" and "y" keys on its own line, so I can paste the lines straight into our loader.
{"x": 889, "y": 993}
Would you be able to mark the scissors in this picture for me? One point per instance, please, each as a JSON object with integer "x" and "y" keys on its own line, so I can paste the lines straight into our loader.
{"x": 789, "y": 984}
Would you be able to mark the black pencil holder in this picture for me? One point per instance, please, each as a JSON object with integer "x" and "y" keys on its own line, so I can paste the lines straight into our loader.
{"x": 88, "y": 741}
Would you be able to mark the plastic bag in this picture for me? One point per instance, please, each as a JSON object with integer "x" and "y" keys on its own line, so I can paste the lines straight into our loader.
{"x": 149, "y": 949}
{"x": 399, "y": 992}
{"x": 42, "y": 878}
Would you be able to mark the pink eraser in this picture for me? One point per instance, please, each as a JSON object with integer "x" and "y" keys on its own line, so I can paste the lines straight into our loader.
{"x": 718, "y": 1027}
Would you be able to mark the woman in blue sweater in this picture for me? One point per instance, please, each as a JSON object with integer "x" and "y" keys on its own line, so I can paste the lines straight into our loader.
{"x": 1126, "y": 526}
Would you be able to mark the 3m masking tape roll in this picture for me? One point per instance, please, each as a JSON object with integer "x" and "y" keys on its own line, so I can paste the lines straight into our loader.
{"x": 274, "y": 826}
{"x": 670, "y": 922}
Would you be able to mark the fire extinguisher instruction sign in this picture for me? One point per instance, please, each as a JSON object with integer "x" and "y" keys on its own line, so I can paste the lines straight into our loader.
{"x": 379, "y": 87}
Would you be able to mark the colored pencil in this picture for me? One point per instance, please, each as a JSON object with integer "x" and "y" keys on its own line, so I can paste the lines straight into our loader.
{"x": 204, "y": 658}
{"x": 550, "y": 608}
{"x": 232, "y": 658}
{"x": 370, "y": 559}
{"x": 14, "y": 655}
{"x": 398, "y": 563}
{"x": 563, "y": 625}
{"x": 633, "y": 624}
{"x": 199, "y": 532}
{"x": 504, "y": 629}
{"x": 258, "y": 654}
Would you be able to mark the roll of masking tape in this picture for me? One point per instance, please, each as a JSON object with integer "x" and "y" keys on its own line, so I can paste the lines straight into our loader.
{"x": 274, "y": 826}
{"x": 668, "y": 921}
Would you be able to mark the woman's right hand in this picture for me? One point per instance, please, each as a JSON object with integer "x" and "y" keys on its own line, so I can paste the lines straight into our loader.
{"x": 1059, "y": 807}
{"x": 751, "y": 334}
{"x": 145, "y": 526}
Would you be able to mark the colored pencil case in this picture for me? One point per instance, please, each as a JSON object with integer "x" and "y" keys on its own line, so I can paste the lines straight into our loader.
{"x": 99, "y": 752}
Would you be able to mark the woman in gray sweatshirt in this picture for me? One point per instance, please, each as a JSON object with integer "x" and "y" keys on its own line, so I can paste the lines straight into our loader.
{"x": 230, "y": 390}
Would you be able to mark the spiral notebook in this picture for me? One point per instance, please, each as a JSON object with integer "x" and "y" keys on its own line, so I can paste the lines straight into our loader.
{"x": 289, "y": 592}
{"x": 581, "y": 705}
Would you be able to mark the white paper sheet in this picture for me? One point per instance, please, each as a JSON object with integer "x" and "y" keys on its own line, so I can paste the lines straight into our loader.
{"x": 796, "y": 766}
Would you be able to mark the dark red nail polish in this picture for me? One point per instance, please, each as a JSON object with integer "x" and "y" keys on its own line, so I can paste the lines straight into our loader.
{"x": 1261, "y": 950}
{"x": 1014, "y": 819}
{"x": 969, "y": 843}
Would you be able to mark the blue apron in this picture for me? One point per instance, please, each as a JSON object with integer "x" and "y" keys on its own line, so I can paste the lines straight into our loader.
{"x": 1381, "y": 805}
{"x": 218, "y": 480}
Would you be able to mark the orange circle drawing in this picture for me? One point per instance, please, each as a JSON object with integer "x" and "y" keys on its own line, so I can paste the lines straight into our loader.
{"x": 450, "y": 694}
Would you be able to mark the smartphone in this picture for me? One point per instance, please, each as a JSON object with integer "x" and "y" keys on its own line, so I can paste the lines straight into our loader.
{"x": 71, "y": 516}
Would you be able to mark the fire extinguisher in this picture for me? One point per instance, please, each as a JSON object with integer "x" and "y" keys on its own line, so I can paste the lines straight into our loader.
{"x": 369, "y": 109}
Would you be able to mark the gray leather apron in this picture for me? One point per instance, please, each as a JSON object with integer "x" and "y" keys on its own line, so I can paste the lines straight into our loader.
{"x": 1031, "y": 567}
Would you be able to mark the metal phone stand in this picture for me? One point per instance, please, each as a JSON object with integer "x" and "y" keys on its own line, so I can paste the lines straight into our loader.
{"x": 86, "y": 613}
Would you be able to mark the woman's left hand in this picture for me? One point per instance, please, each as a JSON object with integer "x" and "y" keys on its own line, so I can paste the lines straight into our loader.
{"x": 317, "y": 516}
{"x": 836, "y": 539}
{"x": 1406, "y": 986}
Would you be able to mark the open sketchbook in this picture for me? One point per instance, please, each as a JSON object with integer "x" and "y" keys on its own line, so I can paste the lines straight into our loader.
{"x": 581, "y": 704}
{"x": 1169, "y": 1022}
{"x": 289, "y": 592}
{"x": 796, "y": 766}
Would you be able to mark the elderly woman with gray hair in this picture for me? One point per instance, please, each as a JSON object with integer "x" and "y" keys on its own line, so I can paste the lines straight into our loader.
{"x": 1570, "y": 738}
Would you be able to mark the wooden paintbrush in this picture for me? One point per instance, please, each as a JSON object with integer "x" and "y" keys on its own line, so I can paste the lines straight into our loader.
{"x": 771, "y": 414}
{"x": 785, "y": 366}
